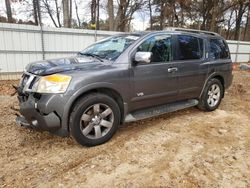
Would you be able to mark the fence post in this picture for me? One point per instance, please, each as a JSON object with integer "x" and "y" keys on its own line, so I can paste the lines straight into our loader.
{"x": 42, "y": 42}
{"x": 41, "y": 28}
{"x": 237, "y": 48}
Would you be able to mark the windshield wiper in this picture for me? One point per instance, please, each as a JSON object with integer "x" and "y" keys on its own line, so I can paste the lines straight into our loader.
{"x": 92, "y": 55}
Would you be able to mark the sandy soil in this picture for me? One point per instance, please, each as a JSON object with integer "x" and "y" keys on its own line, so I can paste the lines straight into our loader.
{"x": 189, "y": 148}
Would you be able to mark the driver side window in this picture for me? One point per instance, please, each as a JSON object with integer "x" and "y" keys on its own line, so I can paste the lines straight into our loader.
{"x": 160, "y": 46}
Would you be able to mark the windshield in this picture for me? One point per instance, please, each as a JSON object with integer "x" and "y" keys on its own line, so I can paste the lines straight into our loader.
{"x": 110, "y": 48}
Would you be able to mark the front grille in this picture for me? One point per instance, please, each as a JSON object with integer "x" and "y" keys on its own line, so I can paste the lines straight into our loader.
{"x": 27, "y": 82}
{"x": 32, "y": 82}
{"x": 25, "y": 78}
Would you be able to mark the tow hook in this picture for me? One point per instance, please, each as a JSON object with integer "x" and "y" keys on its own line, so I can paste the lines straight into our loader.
{"x": 22, "y": 121}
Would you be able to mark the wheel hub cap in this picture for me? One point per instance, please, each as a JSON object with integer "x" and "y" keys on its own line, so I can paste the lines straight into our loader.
{"x": 96, "y": 120}
{"x": 213, "y": 95}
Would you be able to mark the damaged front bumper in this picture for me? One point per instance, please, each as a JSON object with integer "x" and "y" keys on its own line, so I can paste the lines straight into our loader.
{"x": 42, "y": 112}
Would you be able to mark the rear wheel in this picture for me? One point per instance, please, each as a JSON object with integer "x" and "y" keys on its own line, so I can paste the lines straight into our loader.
{"x": 94, "y": 119}
{"x": 211, "y": 96}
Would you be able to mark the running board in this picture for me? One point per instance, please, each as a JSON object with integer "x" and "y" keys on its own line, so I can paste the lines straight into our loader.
{"x": 159, "y": 110}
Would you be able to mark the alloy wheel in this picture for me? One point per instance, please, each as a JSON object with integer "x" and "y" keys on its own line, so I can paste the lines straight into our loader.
{"x": 96, "y": 121}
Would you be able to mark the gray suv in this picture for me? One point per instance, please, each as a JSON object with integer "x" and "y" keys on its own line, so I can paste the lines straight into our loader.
{"x": 124, "y": 78}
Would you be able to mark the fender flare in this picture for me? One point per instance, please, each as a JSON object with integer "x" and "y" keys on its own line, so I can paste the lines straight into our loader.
{"x": 214, "y": 74}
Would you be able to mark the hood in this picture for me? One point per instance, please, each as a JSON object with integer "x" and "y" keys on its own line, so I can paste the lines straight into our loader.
{"x": 53, "y": 66}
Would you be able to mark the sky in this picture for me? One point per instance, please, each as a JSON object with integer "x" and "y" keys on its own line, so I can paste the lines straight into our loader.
{"x": 22, "y": 11}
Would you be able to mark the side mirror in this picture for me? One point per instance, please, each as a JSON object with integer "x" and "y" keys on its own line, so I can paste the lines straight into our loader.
{"x": 143, "y": 57}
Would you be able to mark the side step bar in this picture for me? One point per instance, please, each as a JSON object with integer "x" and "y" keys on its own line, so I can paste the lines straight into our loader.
{"x": 159, "y": 110}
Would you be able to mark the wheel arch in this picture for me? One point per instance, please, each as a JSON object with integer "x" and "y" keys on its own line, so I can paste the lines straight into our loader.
{"x": 100, "y": 88}
{"x": 216, "y": 76}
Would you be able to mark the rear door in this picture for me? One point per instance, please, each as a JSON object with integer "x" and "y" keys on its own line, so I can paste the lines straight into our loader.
{"x": 155, "y": 83}
{"x": 192, "y": 65}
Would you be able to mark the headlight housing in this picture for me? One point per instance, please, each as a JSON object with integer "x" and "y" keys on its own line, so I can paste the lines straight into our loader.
{"x": 55, "y": 83}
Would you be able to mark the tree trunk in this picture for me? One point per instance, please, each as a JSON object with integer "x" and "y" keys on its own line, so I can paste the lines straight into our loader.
{"x": 122, "y": 21}
{"x": 162, "y": 16}
{"x": 247, "y": 26}
{"x": 238, "y": 21}
{"x": 77, "y": 15}
{"x": 215, "y": 14}
{"x": 8, "y": 11}
{"x": 93, "y": 11}
{"x": 229, "y": 25}
{"x": 111, "y": 14}
{"x": 150, "y": 14}
{"x": 35, "y": 13}
{"x": 58, "y": 14}
{"x": 182, "y": 14}
{"x": 119, "y": 20}
{"x": 97, "y": 14}
{"x": 70, "y": 12}
{"x": 66, "y": 14}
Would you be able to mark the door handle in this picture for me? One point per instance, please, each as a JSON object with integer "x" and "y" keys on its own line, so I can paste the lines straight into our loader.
{"x": 172, "y": 69}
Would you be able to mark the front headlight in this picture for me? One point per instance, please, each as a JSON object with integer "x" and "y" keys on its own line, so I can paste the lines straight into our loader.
{"x": 55, "y": 83}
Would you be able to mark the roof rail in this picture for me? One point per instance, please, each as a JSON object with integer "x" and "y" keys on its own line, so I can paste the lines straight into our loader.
{"x": 191, "y": 31}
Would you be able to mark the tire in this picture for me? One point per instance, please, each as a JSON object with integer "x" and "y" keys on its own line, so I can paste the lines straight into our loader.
{"x": 94, "y": 119}
{"x": 211, "y": 96}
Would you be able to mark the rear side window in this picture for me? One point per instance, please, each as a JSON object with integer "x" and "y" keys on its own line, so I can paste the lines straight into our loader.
{"x": 189, "y": 47}
{"x": 218, "y": 49}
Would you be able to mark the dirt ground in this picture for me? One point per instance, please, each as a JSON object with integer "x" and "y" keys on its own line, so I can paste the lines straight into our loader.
{"x": 189, "y": 148}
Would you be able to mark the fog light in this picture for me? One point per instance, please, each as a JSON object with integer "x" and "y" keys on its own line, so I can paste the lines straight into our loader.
{"x": 35, "y": 123}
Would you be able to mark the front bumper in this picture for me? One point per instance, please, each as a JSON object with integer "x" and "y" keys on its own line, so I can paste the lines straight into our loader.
{"x": 35, "y": 117}
{"x": 41, "y": 113}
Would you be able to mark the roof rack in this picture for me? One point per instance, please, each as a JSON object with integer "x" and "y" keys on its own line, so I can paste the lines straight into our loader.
{"x": 191, "y": 31}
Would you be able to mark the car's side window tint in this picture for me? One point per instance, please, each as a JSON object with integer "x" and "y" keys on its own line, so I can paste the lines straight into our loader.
{"x": 218, "y": 49}
{"x": 189, "y": 47}
{"x": 160, "y": 46}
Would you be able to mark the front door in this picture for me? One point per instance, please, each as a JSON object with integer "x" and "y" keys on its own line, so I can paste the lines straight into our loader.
{"x": 156, "y": 82}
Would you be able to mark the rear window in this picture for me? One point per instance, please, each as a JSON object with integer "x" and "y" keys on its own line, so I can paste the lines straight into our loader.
{"x": 189, "y": 47}
{"x": 218, "y": 49}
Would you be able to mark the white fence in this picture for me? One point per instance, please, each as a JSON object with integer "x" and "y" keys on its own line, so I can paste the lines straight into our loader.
{"x": 21, "y": 44}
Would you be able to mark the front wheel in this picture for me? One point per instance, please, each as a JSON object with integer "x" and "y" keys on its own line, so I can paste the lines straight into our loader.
{"x": 94, "y": 119}
{"x": 212, "y": 95}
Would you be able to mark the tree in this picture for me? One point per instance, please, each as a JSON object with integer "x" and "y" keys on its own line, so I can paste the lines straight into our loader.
{"x": 8, "y": 11}
{"x": 35, "y": 11}
{"x": 97, "y": 14}
{"x": 111, "y": 14}
{"x": 126, "y": 9}
{"x": 67, "y": 13}
{"x": 77, "y": 15}
{"x": 247, "y": 26}
{"x": 58, "y": 13}
{"x": 242, "y": 7}
{"x": 93, "y": 12}
{"x": 150, "y": 14}
{"x": 49, "y": 10}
